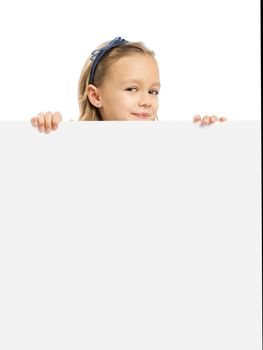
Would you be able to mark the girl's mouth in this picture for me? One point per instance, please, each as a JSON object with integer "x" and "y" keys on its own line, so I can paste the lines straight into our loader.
{"x": 141, "y": 115}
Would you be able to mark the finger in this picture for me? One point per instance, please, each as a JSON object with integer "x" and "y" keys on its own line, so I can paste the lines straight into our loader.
{"x": 222, "y": 119}
{"x": 197, "y": 118}
{"x": 205, "y": 120}
{"x": 48, "y": 118}
{"x": 41, "y": 121}
{"x": 213, "y": 118}
{"x": 55, "y": 120}
{"x": 34, "y": 121}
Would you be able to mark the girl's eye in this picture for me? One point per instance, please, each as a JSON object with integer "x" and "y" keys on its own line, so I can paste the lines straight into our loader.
{"x": 155, "y": 92}
{"x": 131, "y": 88}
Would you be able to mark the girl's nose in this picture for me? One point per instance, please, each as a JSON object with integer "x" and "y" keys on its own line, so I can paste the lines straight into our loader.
{"x": 145, "y": 100}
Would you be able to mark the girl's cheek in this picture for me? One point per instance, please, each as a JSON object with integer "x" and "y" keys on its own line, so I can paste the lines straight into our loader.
{"x": 128, "y": 100}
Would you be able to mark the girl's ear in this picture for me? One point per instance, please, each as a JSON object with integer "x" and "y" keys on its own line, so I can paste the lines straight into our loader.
{"x": 93, "y": 96}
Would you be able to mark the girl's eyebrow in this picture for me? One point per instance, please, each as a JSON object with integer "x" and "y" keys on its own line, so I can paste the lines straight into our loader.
{"x": 140, "y": 81}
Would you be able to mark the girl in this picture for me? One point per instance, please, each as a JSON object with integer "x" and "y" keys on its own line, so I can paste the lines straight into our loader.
{"x": 119, "y": 81}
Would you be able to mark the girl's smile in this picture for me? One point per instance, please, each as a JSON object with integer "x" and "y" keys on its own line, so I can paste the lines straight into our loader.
{"x": 141, "y": 115}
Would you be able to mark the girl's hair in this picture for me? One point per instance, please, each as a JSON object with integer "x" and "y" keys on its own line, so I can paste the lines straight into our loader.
{"x": 87, "y": 110}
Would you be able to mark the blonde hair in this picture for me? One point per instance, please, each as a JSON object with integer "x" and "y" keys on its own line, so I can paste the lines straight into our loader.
{"x": 87, "y": 110}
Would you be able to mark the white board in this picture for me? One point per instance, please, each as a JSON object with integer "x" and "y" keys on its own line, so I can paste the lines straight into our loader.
{"x": 130, "y": 235}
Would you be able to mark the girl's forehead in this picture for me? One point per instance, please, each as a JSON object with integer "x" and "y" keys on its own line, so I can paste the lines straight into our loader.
{"x": 136, "y": 68}
{"x": 136, "y": 60}
{"x": 141, "y": 81}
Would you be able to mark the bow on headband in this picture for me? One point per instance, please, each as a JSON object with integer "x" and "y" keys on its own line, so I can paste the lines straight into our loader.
{"x": 96, "y": 55}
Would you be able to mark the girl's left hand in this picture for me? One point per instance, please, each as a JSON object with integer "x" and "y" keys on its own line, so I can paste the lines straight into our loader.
{"x": 206, "y": 120}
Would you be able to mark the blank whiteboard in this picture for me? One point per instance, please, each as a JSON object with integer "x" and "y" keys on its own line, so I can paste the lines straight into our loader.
{"x": 130, "y": 235}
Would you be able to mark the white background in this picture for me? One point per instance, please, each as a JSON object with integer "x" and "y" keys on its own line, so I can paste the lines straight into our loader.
{"x": 111, "y": 243}
{"x": 208, "y": 53}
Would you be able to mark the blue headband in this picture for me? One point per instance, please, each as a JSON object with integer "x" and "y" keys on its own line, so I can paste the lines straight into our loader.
{"x": 96, "y": 55}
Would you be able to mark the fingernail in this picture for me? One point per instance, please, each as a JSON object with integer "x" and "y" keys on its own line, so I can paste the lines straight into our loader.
{"x": 197, "y": 118}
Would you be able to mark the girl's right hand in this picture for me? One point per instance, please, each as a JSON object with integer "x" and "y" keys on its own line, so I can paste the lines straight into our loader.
{"x": 46, "y": 121}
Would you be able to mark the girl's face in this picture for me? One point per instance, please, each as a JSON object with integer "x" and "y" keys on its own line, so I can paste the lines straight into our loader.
{"x": 130, "y": 92}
